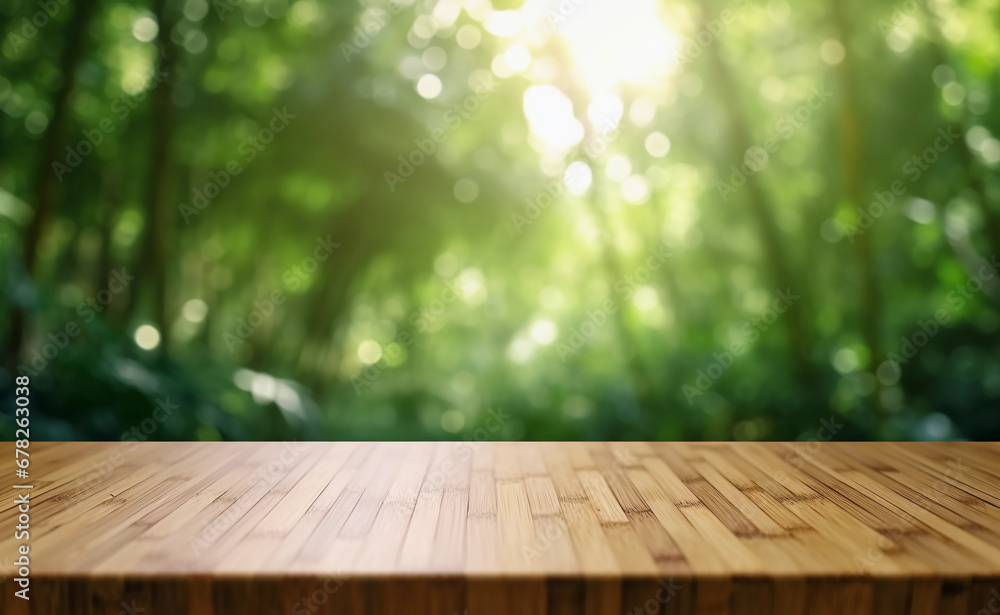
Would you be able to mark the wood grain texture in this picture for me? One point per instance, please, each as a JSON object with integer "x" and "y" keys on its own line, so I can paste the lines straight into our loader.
{"x": 509, "y": 528}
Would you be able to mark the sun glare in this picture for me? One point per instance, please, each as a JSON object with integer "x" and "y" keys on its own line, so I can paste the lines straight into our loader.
{"x": 610, "y": 45}
{"x": 618, "y": 42}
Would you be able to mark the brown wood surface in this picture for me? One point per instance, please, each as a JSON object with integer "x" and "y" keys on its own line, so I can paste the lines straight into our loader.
{"x": 498, "y": 528}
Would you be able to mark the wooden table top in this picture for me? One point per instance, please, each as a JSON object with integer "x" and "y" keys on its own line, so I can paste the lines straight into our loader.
{"x": 549, "y": 515}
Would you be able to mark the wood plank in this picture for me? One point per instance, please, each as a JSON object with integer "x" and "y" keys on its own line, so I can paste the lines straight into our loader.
{"x": 596, "y": 528}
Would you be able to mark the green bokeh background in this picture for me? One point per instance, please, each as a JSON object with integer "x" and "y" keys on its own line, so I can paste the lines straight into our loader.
{"x": 484, "y": 279}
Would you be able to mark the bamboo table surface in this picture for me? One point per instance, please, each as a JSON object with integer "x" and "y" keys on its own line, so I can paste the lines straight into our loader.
{"x": 491, "y": 528}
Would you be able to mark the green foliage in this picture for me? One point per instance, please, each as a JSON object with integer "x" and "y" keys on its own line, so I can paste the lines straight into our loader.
{"x": 296, "y": 289}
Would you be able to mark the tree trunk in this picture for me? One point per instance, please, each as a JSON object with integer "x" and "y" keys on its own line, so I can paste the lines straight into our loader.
{"x": 111, "y": 199}
{"x": 45, "y": 181}
{"x": 152, "y": 270}
{"x": 641, "y": 376}
{"x": 770, "y": 236}
{"x": 852, "y": 163}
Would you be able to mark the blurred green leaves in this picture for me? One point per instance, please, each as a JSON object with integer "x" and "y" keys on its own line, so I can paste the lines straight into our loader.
{"x": 453, "y": 292}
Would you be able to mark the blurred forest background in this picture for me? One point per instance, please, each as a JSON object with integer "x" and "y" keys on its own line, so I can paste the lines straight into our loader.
{"x": 565, "y": 219}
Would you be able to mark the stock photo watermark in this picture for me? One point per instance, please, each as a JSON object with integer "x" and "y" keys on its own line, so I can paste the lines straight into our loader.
{"x": 122, "y": 107}
{"x": 425, "y": 148}
{"x": 710, "y": 32}
{"x": 131, "y": 609}
{"x": 249, "y": 148}
{"x": 750, "y": 332}
{"x": 421, "y": 319}
{"x": 900, "y": 13}
{"x": 224, "y": 7}
{"x": 954, "y": 470}
{"x": 292, "y": 278}
{"x": 625, "y": 289}
{"x": 553, "y": 189}
{"x": 162, "y": 411}
{"x": 496, "y": 419}
{"x": 803, "y": 452}
{"x": 269, "y": 471}
{"x": 29, "y": 26}
{"x": 992, "y": 606}
{"x": 312, "y": 601}
{"x": 374, "y": 20}
{"x": 666, "y": 590}
{"x": 56, "y": 341}
{"x": 913, "y": 169}
{"x": 756, "y": 158}
{"x": 877, "y": 548}
{"x": 890, "y": 370}
{"x": 557, "y": 17}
